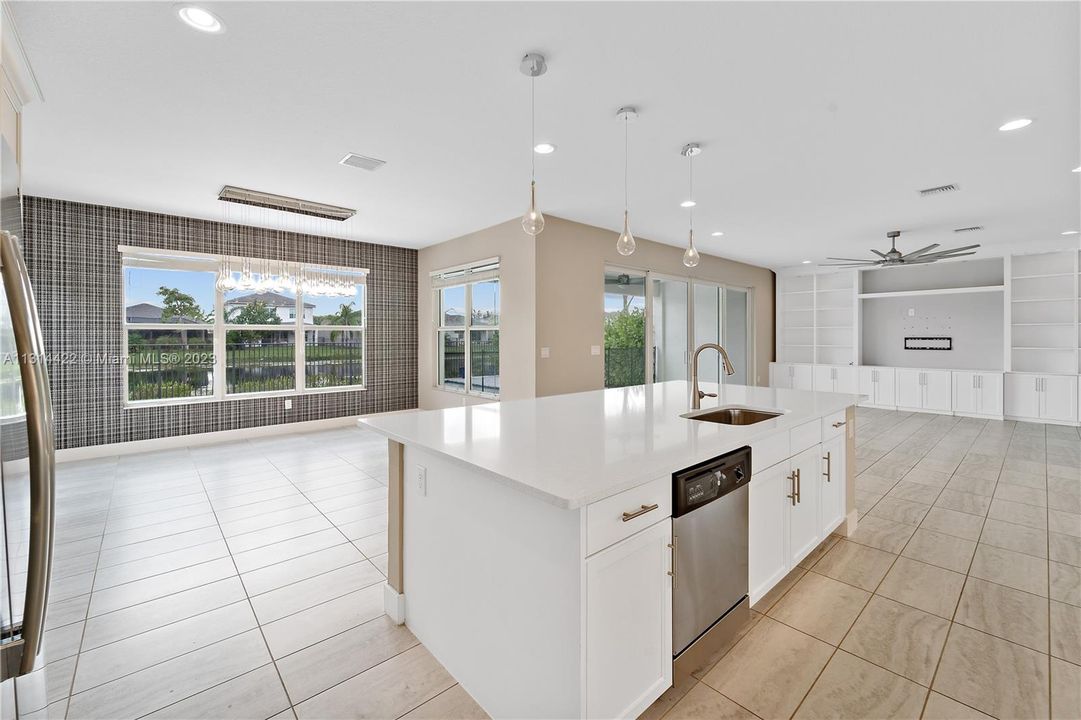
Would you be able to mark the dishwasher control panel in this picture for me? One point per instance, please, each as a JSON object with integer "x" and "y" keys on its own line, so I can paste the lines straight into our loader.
{"x": 703, "y": 483}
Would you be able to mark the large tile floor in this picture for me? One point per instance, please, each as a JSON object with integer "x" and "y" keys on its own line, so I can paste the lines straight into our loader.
{"x": 244, "y": 580}
{"x": 959, "y": 596}
{"x": 240, "y": 580}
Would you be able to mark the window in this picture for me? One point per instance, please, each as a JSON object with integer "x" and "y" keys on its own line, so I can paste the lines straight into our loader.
{"x": 466, "y": 303}
{"x": 199, "y": 327}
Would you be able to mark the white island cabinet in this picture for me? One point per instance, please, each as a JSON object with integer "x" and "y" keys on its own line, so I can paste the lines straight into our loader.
{"x": 531, "y": 541}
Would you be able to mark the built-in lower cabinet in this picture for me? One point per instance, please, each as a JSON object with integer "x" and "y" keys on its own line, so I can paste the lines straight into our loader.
{"x": 927, "y": 390}
{"x": 804, "y": 479}
{"x": 767, "y": 549}
{"x": 879, "y": 385}
{"x": 629, "y": 628}
{"x": 831, "y": 501}
{"x": 791, "y": 376}
{"x": 977, "y": 393}
{"x": 1049, "y": 398}
{"x": 835, "y": 378}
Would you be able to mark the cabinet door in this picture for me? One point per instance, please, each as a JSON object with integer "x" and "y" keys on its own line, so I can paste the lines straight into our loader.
{"x": 802, "y": 377}
{"x": 845, "y": 380}
{"x": 965, "y": 393}
{"x": 867, "y": 385}
{"x": 831, "y": 503}
{"x": 989, "y": 386}
{"x": 886, "y": 387}
{"x": 937, "y": 390}
{"x": 804, "y": 531}
{"x": 1022, "y": 395}
{"x": 823, "y": 378}
{"x": 767, "y": 543}
{"x": 780, "y": 375}
{"x": 629, "y": 624}
{"x": 1059, "y": 401}
{"x": 909, "y": 388}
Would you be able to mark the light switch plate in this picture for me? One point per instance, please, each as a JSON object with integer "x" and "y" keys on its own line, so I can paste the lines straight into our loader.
{"x": 422, "y": 480}
{"x": 288, "y": 404}
{"x": 546, "y": 352}
{"x": 594, "y": 349}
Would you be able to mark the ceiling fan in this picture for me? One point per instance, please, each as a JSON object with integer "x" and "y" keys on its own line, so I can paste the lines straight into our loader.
{"x": 894, "y": 257}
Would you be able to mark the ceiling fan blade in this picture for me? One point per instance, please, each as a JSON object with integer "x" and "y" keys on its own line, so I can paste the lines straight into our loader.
{"x": 849, "y": 264}
{"x": 916, "y": 253}
{"x": 936, "y": 257}
{"x": 881, "y": 255}
{"x": 963, "y": 247}
{"x": 859, "y": 260}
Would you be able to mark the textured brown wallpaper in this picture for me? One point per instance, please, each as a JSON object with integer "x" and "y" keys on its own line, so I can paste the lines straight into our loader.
{"x": 75, "y": 269}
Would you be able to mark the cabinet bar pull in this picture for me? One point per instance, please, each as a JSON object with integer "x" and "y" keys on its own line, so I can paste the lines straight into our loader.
{"x": 641, "y": 511}
{"x": 794, "y": 497}
{"x": 798, "y": 486}
{"x": 839, "y": 424}
{"x": 672, "y": 572}
{"x": 829, "y": 466}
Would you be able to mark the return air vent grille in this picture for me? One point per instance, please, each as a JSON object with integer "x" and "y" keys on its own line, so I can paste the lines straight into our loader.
{"x": 973, "y": 228}
{"x": 938, "y": 190}
{"x": 362, "y": 162}
{"x": 229, "y": 193}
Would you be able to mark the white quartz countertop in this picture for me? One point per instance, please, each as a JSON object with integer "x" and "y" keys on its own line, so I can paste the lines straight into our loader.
{"x": 571, "y": 450}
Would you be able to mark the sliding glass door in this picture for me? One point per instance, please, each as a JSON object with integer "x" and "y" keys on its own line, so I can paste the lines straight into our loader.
{"x": 624, "y": 328}
{"x": 736, "y": 333}
{"x": 668, "y": 312}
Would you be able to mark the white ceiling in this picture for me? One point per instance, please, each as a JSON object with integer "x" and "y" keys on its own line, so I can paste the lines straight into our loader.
{"x": 819, "y": 121}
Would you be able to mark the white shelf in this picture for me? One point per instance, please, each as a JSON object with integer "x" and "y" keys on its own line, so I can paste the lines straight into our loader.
{"x": 937, "y": 291}
{"x": 1054, "y": 299}
{"x": 1048, "y": 275}
{"x": 1042, "y": 324}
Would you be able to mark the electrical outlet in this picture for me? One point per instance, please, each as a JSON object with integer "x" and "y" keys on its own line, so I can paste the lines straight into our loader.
{"x": 422, "y": 480}
{"x": 912, "y": 312}
{"x": 288, "y": 404}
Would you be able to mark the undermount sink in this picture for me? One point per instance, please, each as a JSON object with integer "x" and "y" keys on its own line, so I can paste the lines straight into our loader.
{"x": 732, "y": 416}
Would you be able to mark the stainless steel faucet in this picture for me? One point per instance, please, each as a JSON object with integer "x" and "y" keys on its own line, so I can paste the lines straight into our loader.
{"x": 696, "y": 394}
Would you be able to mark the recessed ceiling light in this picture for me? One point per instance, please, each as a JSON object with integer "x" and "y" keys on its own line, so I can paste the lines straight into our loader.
{"x": 717, "y": 234}
{"x": 544, "y": 148}
{"x": 200, "y": 18}
{"x": 1015, "y": 124}
{"x": 806, "y": 262}
{"x": 1070, "y": 232}
{"x": 688, "y": 203}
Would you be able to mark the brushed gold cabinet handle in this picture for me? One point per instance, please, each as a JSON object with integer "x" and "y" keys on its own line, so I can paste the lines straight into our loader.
{"x": 794, "y": 477}
{"x": 641, "y": 511}
{"x": 829, "y": 466}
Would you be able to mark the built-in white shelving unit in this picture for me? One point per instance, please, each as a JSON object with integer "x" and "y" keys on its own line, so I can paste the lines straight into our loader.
{"x": 1044, "y": 294}
{"x": 818, "y": 318}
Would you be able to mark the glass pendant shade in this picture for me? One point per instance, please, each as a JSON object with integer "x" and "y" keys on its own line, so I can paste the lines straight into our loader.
{"x": 625, "y": 244}
{"x": 690, "y": 257}
{"x": 533, "y": 220}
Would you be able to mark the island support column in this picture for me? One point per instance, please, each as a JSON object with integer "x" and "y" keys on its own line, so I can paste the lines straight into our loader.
{"x": 394, "y": 591}
{"x": 851, "y": 513}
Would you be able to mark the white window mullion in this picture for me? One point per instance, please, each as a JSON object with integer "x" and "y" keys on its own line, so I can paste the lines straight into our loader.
{"x": 300, "y": 344}
{"x": 468, "y": 337}
{"x": 220, "y": 357}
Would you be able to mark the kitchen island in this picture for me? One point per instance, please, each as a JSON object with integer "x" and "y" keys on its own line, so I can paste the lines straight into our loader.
{"x": 530, "y": 540}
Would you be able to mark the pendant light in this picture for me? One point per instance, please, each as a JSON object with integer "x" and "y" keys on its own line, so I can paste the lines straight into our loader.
{"x": 533, "y": 66}
{"x": 690, "y": 257}
{"x": 625, "y": 244}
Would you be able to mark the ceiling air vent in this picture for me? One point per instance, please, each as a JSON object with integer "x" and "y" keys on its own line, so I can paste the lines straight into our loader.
{"x": 973, "y": 228}
{"x": 938, "y": 190}
{"x": 229, "y": 193}
{"x": 362, "y": 162}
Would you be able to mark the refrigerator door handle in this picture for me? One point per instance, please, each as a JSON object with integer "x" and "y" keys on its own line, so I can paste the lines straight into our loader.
{"x": 42, "y": 449}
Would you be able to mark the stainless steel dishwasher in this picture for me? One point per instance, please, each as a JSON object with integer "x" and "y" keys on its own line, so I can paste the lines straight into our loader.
{"x": 709, "y": 548}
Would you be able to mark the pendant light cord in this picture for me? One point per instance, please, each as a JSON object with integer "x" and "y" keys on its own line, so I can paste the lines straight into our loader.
{"x": 690, "y": 183}
{"x": 626, "y": 160}
{"x": 532, "y": 129}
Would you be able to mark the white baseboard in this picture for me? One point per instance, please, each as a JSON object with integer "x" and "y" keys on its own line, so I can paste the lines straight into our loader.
{"x": 394, "y": 604}
{"x": 92, "y": 452}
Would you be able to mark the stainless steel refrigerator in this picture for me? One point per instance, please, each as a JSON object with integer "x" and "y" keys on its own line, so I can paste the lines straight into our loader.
{"x": 26, "y": 457}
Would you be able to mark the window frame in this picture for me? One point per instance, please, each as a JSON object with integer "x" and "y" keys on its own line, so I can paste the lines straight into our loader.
{"x": 472, "y": 273}
{"x": 131, "y": 256}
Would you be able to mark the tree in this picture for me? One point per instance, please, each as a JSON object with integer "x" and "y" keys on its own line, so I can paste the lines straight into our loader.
{"x": 625, "y": 329}
{"x": 624, "y": 348}
{"x": 179, "y": 306}
{"x": 255, "y": 313}
{"x": 346, "y": 315}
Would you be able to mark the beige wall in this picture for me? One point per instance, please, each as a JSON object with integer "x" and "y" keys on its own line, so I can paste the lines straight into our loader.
{"x": 553, "y": 296}
{"x": 517, "y": 258}
{"x": 570, "y": 299}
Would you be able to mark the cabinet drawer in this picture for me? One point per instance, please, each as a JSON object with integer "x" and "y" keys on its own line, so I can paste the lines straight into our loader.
{"x": 604, "y": 519}
{"x": 769, "y": 451}
{"x": 833, "y": 425}
{"x": 805, "y": 436}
